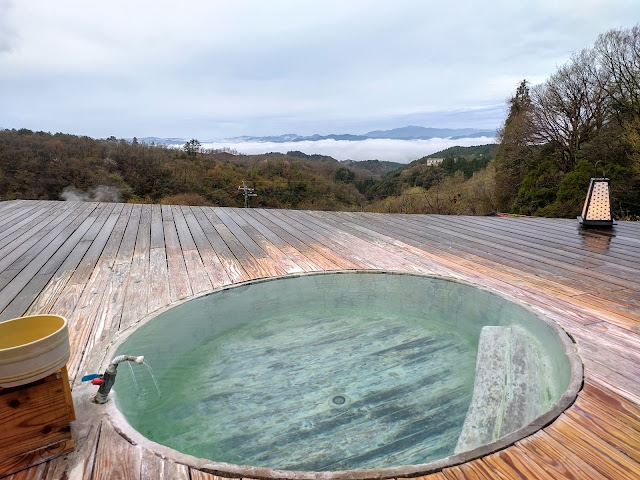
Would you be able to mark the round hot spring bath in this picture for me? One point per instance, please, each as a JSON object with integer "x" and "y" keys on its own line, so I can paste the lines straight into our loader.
{"x": 345, "y": 371}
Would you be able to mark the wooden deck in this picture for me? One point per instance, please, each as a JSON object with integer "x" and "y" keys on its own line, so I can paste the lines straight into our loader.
{"x": 104, "y": 266}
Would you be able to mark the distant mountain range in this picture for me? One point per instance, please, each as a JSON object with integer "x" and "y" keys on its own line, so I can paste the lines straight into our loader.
{"x": 410, "y": 132}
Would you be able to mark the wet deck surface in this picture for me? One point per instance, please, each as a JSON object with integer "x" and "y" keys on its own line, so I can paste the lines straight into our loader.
{"x": 105, "y": 266}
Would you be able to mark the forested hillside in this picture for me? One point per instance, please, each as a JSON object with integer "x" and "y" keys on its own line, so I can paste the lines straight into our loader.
{"x": 586, "y": 114}
{"x": 40, "y": 165}
{"x": 588, "y": 111}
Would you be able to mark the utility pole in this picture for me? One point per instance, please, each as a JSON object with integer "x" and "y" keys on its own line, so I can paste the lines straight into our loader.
{"x": 248, "y": 192}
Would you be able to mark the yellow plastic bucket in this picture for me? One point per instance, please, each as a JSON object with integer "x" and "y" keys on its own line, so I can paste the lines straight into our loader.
{"x": 31, "y": 348}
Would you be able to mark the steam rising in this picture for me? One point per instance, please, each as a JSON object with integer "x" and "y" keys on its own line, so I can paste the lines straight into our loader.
{"x": 101, "y": 193}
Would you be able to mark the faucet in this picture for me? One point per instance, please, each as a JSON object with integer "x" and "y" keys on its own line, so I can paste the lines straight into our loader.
{"x": 109, "y": 376}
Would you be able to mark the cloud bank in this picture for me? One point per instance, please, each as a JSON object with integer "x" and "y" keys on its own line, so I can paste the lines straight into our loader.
{"x": 220, "y": 69}
{"x": 401, "y": 151}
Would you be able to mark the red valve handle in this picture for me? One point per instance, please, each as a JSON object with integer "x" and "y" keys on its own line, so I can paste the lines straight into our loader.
{"x": 97, "y": 381}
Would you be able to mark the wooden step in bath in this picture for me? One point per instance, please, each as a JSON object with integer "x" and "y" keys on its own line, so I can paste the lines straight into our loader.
{"x": 507, "y": 386}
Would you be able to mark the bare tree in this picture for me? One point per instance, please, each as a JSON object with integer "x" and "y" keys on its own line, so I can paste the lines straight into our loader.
{"x": 617, "y": 55}
{"x": 618, "y": 60}
{"x": 570, "y": 108}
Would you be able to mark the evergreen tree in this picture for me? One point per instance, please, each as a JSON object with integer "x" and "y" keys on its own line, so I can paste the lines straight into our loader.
{"x": 513, "y": 155}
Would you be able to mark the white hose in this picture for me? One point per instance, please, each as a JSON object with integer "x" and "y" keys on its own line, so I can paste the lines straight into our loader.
{"x": 127, "y": 358}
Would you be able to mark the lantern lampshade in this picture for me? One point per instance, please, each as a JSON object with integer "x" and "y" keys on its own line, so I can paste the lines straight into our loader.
{"x": 597, "y": 206}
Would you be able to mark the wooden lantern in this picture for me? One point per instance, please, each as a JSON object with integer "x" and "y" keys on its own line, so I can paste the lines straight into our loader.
{"x": 596, "y": 211}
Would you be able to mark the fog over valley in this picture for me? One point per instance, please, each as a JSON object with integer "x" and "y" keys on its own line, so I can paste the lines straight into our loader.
{"x": 393, "y": 150}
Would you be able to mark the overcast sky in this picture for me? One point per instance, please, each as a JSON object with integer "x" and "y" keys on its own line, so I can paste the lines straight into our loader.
{"x": 215, "y": 69}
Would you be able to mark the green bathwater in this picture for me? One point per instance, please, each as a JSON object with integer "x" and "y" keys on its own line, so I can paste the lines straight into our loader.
{"x": 321, "y": 372}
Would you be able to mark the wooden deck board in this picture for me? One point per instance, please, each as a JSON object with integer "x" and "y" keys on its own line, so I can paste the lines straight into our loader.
{"x": 78, "y": 266}
{"x": 158, "y": 281}
{"x": 137, "y": 293}
{"x": 272, "y": 252}
{"x": 115, "y": 457}
{"x": 606, "y": 459}
{"x": 198, "y": 275}
{"x": 311, "y": 243}
{"x": 105, "y": 266}
{"x": 234, "y": 268}
{"x": 290, "y": 243}
{"x": 551, "y": 266}
{"x": 218, "y": 275}
{"x": 27, "y": 246}
{"x": 180, "y": 287}
{"x": 556, "y": 459}
{"x": 577, "y": 260}
{"x": 36, "y": 258}
{"x": 10, "y": 234}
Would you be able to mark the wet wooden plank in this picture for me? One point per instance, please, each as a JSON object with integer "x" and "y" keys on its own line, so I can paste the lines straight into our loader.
{"x": 157, "y": 231}
{"x": 215, "y": 268}
{"x": 611, "y": 378}
{"x": 16, "y": 215}
{"x": 78, "y": 265}
{"x": 604, "y": 458}
{"x": 67, "y": 300}
{"x": 94, "y": 309}
{"x": 87, "y": 266}
{"x": 624, "y": 409}
{"x": 438, "y": 249}
{"x": 557, "y": 459}
{"x": 315, "y": 241}
{"x": 29, "y": 220}
{"x": 275, "y": 246}
{"x": 619, "y": 434}
{"x": 353, "y": 244}
{"x": 155, "y": 468}
{"x": 17, "y": 254}
{"x": 515, "y": 463}
{"x": 115, "y": 457}
{"x": 179, "y": 285}
{"x": 433, "y": 476}
{"x": 302, "y": 248}
{"x": 575, "y": 309}
{"x": 135, "y": 303}
{"x": 58, "y": 237}
{"x": 252, "y": 267}
{"x": 159, "y": 289}
{"x": 476, "y": 470}
{"x": 200, "y": 475}
{"x": 242, "y": 236}
{"x": 8, "y": 205}
{"x": 422, "y": 232}
{"x": 65, "y": 258}
{"x": 577, "y": 248}
{"x": 198, "y": 275}
{"x": 271, "y": 257}
{"x": 526, "y": 260}
{"x": 128, "y": 244}
{"x": 78, "y": 464}
{"x": 231, "y": 264}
